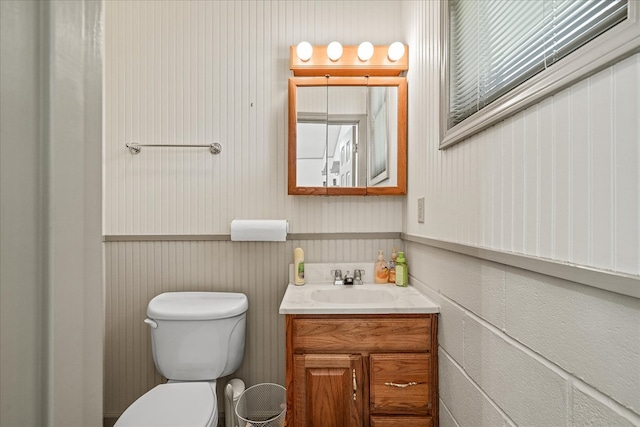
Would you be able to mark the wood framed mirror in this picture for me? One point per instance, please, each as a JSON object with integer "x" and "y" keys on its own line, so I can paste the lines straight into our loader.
{"x": 347, "y": 135}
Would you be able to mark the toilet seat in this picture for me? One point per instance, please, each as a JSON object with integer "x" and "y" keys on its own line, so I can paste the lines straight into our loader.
{"x": 192, "y": 404}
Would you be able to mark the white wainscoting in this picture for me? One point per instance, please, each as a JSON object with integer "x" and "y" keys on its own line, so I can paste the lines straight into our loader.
{"x": 138, "y": 271}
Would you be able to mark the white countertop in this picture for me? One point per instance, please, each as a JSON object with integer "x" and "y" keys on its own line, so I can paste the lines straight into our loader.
{"x": 369, "y": 298}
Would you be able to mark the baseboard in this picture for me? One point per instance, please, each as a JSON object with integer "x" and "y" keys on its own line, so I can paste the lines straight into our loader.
{"x": 110, "y": 419}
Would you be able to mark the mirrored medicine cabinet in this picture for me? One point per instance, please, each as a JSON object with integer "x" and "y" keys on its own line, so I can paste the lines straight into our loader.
{"x": 347, "y": 135}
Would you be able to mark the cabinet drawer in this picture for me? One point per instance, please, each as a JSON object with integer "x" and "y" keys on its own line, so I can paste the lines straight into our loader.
{"x": 395, "y": 421}
{"x": 334, "y": 334}
{"x": 400, "y": 383}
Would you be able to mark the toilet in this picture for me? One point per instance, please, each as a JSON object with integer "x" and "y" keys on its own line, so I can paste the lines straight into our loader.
{"x": 196, "y": 338}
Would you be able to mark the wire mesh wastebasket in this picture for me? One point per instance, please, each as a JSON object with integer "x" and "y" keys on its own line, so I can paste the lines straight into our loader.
{"x": 262, "y": 405}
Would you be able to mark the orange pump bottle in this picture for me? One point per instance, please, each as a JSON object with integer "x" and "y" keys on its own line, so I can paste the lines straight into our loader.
{"x": 381, "y": 269}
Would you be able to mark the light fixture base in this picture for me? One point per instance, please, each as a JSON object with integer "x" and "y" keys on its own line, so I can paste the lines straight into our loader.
{"x": 349, "y": 64}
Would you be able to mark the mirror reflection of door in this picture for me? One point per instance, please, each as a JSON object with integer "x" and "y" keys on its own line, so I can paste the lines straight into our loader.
{"x": 331, "y": 129}
{"x": 347, "y": 107}
{"x": 311, "y": 144}
{"x": 379, "y": 135}
{"x": 328, "y": 151}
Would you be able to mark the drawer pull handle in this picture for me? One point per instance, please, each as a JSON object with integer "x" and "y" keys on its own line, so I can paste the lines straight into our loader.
{"x": 409, "y": 384}
{"x": 355, "y": 384}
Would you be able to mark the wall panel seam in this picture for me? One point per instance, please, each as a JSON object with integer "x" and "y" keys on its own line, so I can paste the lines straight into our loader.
{"x": 227, "y": 237}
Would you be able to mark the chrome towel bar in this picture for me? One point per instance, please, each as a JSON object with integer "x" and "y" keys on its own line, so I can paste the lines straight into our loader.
{"x": 135, "y": 148}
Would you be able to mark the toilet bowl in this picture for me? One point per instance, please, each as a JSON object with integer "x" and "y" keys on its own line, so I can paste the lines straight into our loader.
{"x": 197, "y": 337}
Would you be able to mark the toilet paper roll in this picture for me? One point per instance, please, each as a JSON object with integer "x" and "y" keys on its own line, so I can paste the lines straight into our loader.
{"x": 259, "y": 230}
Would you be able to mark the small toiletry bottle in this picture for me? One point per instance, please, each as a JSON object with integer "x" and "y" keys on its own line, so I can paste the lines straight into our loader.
{"x": 392, "y": 266}
{"x": 298, "y": 266}
{"x": 402, "y": 276}
{"x": 381, "y": 269}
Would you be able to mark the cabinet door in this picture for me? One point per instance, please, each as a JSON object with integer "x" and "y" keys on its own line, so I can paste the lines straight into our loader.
{"x": 328, "y": 390}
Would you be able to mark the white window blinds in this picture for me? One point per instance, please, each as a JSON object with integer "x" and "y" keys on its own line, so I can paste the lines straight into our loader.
{"x": 495, "y": 45}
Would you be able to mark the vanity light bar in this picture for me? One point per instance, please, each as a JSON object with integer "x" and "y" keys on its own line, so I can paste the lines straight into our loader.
{"x": 349, "y": 64}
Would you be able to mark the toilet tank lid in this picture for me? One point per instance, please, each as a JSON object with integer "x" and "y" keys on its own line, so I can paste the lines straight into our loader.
{"x": 197, "y": 305}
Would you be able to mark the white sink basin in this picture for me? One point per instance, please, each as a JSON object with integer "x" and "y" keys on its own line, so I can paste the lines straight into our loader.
{"x": 370, "y": 298}
{"x": 353, "y": 294}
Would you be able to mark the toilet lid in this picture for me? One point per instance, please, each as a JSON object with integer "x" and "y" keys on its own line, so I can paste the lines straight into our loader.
{"x": 172, "y": 404}
{"x": 197, "y": 305}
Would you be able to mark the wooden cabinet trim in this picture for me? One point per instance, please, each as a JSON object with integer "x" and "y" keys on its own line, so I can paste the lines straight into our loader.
{"x": 331, "y": 334}
{"x": 404, "y": 421}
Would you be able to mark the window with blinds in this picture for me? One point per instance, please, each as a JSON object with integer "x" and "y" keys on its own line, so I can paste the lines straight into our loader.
{"x": 496, "y": 45}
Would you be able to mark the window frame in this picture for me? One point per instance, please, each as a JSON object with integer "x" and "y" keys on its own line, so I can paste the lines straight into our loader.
{"x": 615, "y": 44}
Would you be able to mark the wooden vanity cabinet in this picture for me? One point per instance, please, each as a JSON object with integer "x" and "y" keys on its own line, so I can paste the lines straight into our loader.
{"x": 362, "y": 370}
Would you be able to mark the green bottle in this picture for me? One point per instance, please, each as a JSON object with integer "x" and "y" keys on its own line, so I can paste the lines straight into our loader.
{"x": 402, "y": 273}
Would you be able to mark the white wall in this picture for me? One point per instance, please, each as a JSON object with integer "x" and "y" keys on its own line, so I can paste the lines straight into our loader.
{"x": 517, "y": 347}
{"x": 205, "y": 71}
{"x": 21, "y": 254}
{"x": 182, "y": 72}
{"x": 558, "y": 181}
{"x": 51, "y": 312}
{"x": 195, "y": 72}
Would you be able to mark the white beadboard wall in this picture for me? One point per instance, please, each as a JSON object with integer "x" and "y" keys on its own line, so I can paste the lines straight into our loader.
{"x": 192, "y": 72}
{"x": 195, "y": 72}
{"x": 559, "y": 181}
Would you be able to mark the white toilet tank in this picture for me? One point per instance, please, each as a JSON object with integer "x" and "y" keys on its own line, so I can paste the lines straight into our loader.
{"x": 197, "y": 336}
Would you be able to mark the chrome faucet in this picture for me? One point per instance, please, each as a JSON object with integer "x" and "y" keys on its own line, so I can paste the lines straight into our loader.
{"x": 348, "y": 279}
{"x": 337, "y": 277}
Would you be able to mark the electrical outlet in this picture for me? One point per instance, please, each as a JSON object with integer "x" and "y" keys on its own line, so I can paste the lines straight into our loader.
{"x": 421, "y": 210}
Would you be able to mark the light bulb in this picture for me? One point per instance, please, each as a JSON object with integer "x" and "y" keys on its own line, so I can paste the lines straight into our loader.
{"x": 304, "y": 50}
{"x": 396, "y": 51}
{"x": 365, "y": 51}
{"x": 334, "y": 51}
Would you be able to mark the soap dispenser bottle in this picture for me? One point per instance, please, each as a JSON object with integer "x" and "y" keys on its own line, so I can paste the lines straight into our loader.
{"x": 402, "y": 274}
{"x": 381, "y": 269}
{"x": 298, "y": 266}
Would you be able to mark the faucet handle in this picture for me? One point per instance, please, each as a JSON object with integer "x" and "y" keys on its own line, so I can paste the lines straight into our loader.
{"x": 357, "y": 276}
{"x": 337, "y": 277}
